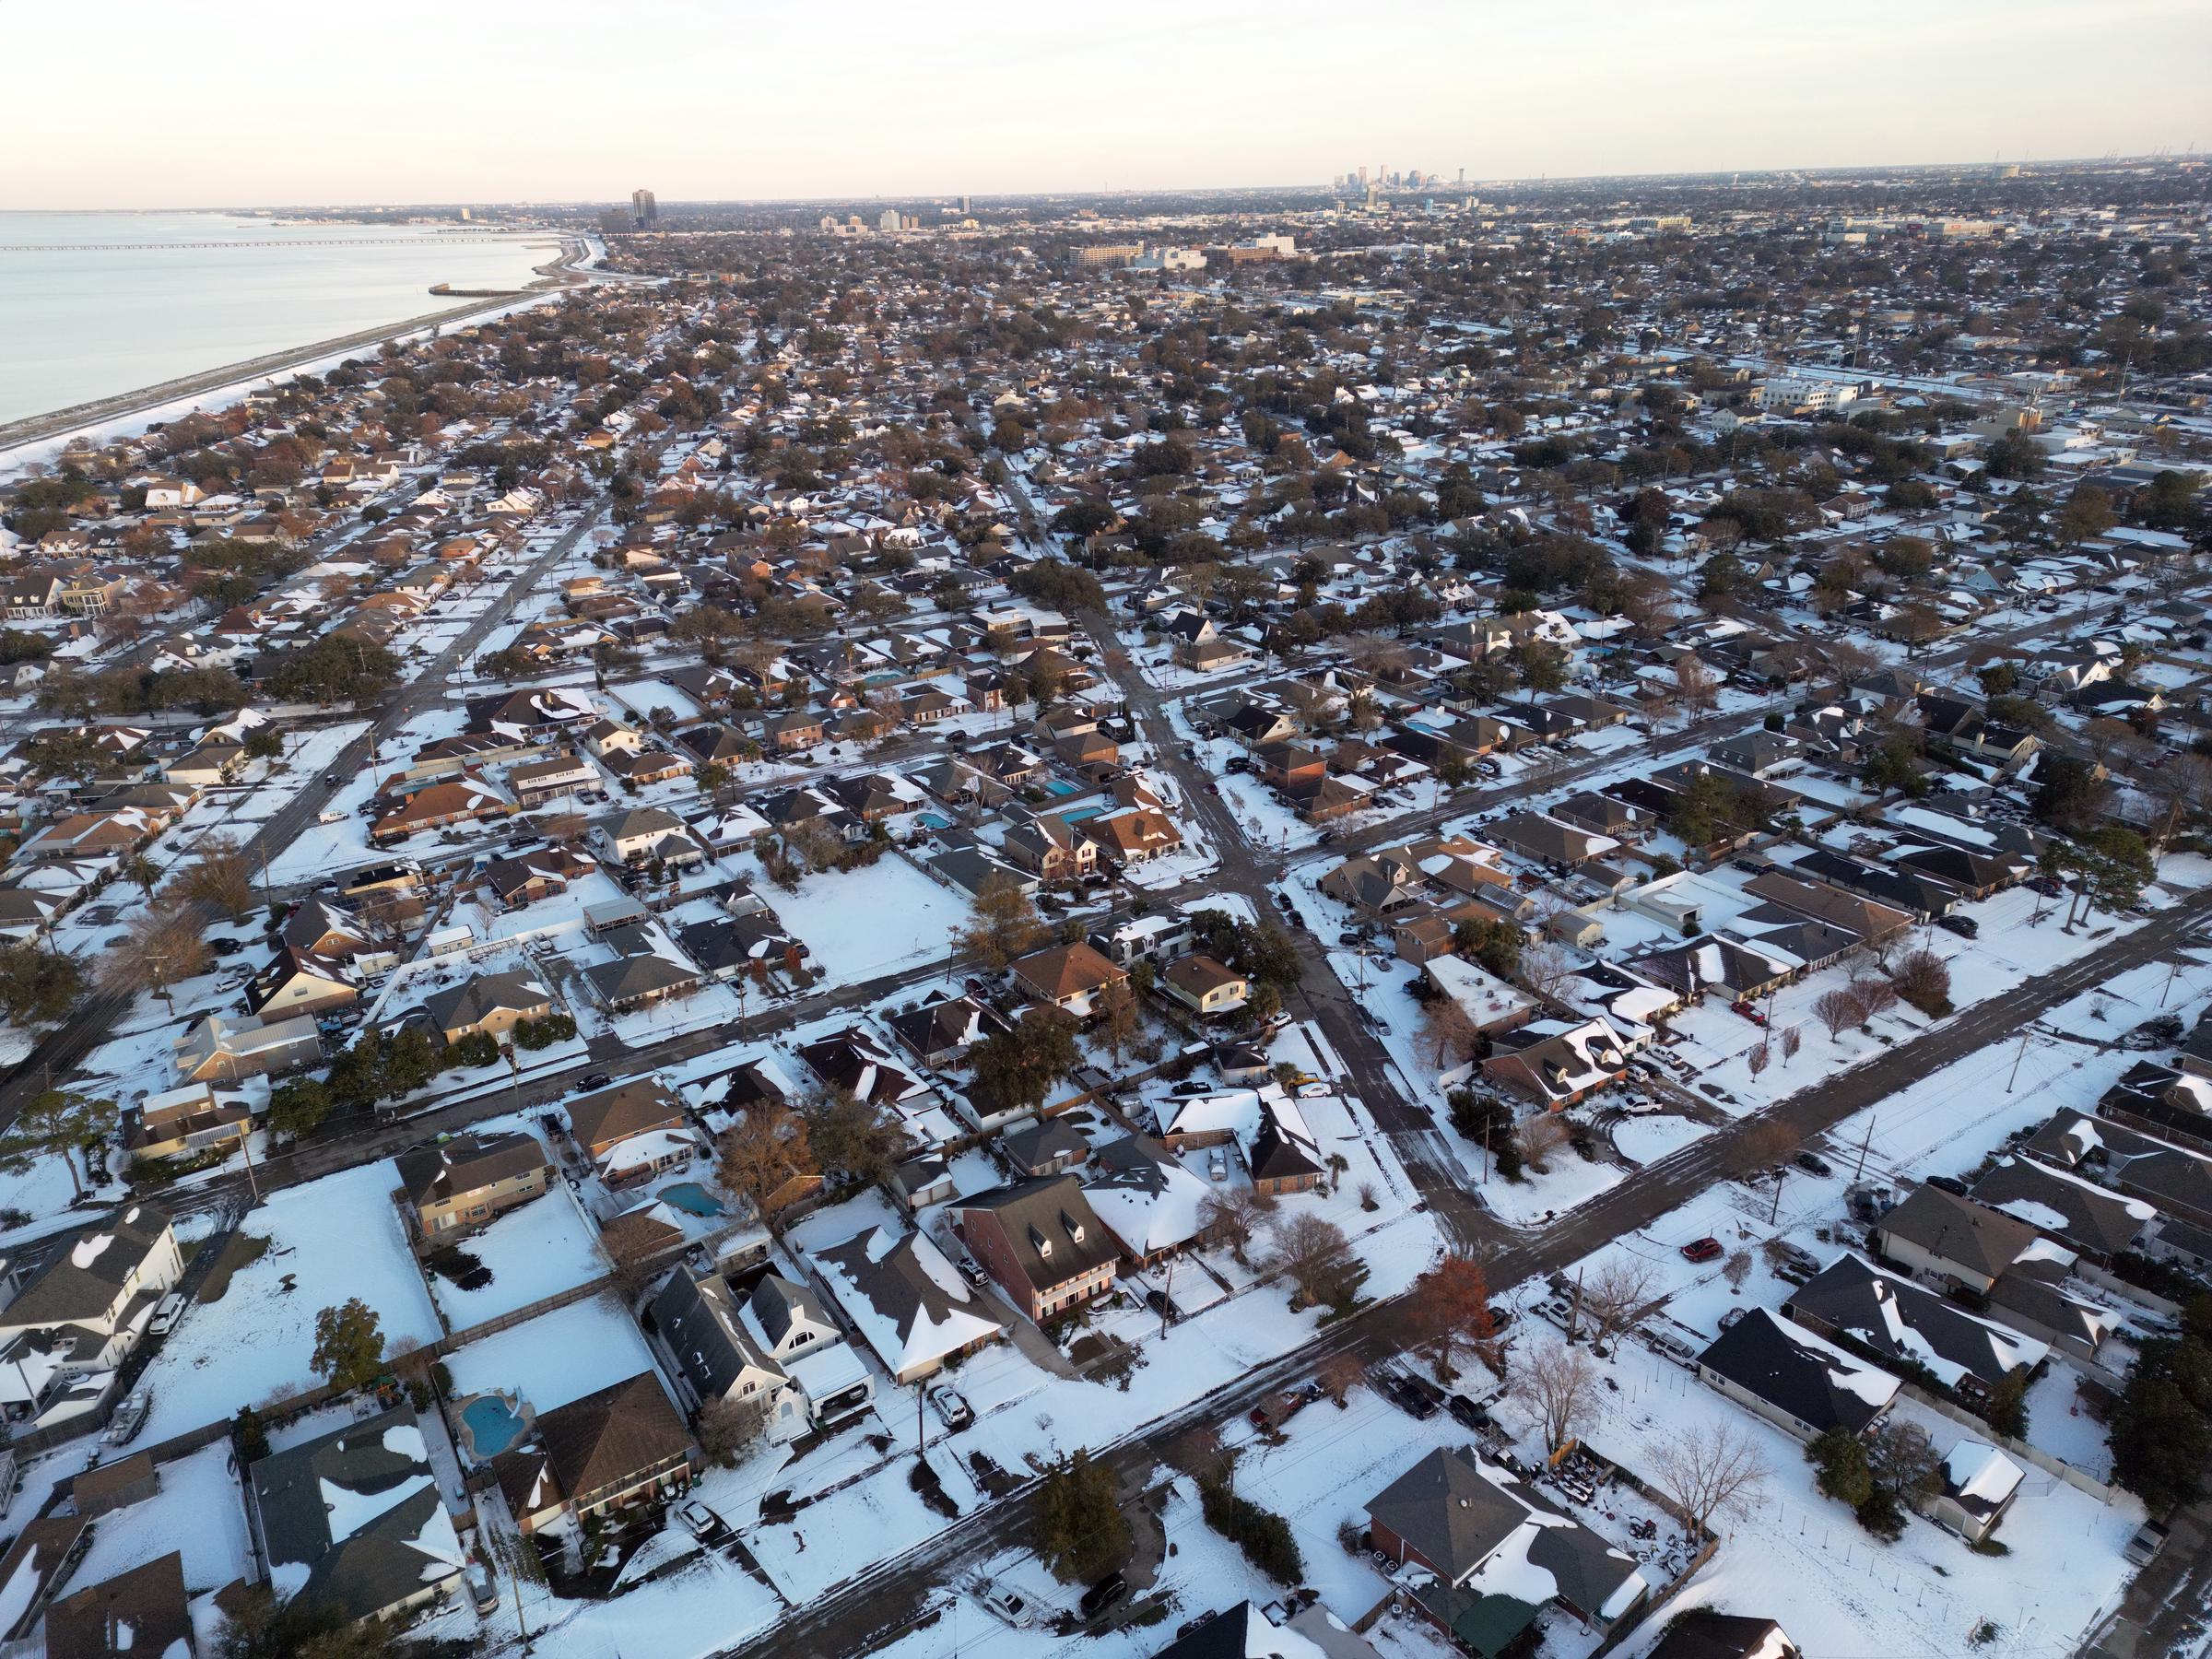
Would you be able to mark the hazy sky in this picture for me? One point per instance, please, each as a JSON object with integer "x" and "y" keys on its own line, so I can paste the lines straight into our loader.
{"x": 115, "y": 105}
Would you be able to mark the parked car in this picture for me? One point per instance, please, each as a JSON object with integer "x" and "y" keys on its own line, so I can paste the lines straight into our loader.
{"x": 704, "y": 1521}
{"x": 1668, "y": 1345}
{"x": 1734, "y": 1317}
{"x": 1163, "y": 1305}
{"x": 1948, "y": 1183}
{"x": 167, "y": 1312}
{"x": 1702, "y": 1250}
{"x": 1966, "y": 927}
{"x": 596, "y": 1080}
{"x": 955, "y": 1412}
{"x": 972, "y": 1271}
{"x": 1350, "y": 940}
{"x": 2047, "y": 886}
{"x": 1467, "y": 1413}
{"x": 130, "y": 1417}
{"x": 1419, "y": 1399}
{"x": 1812, "y": 1163}
{"x": 1217, "y": 1167}
{"x": 1013, "y": 1608}
{"x": 1750, "y": 1010}
{"x": 1103, "y": 1594}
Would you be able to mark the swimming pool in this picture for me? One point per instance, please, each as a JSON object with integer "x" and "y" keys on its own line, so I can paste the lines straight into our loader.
{"x": 1076, "y": 814}
{"x": 1061, "y": 787}
{"x": 692, "y": 1198}
{"x": 492, "y": 1425}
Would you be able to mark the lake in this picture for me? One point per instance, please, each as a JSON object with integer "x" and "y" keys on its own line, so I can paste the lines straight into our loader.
{"x": 95, "y": 304}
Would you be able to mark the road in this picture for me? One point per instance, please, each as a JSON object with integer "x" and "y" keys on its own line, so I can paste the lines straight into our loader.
{"x": 94, "y": 1018}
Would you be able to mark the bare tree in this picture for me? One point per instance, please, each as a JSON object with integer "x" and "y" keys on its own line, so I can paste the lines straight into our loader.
{"x": 1876, "y": 996}
{"x": 1447, "y": 1031}
{"x": 1922, "y": 979}
{"x": 1736, "y": 1269}
{"x": 1697, "y": 688}
{"x": 162, "y": 947}
{"x": 766, "y": 1158}
{"x": 1793, "y": 1039}
{"x": 1451, "y": 1310}
{"x": 1619, "y": 1294}
{"x": 1707, "y": 1472}
{"x": 1312, "y": 1253}
{"x": 1545, "y": 967}
{"x": 1231, "y": 1216}
{"x": 1839, "y": 1010}
{"x": 220, "y": 877}
{"x": 1541, "y": 1137}
{"x": 1339, "y": 1376}
{"x": 1757, "y": 1060}
{"x": 728, "y": 1424}
{"x": 1558, "y": 1384}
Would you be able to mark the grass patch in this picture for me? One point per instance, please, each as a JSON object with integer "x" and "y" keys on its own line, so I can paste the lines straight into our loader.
{"x": 240, "y": 1249}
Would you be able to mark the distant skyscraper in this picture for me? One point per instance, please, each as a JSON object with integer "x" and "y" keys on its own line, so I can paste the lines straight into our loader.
{"x": 963, "y": 206}
{"x": 1363, "y": 178}
{"x": 643, "y": 210}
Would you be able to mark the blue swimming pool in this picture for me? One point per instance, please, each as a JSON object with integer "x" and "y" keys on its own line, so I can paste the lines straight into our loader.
{"x": 1060, "y": 786}
{"x": 491, "y": 1426}
{"x": 1076, "y": 814}
{"x": 692, "y": 1198}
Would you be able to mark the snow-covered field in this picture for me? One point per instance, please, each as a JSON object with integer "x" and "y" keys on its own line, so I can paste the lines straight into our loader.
{"x": 329, "y": 1239}
{"x": 556, "y": 1357}
{"x": 544, "y": 1247}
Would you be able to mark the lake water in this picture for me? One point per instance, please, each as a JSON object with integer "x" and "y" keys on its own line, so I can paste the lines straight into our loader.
{"x": 107, "y": 302}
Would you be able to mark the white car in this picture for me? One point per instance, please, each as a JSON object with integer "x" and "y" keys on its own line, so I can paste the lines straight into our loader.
{"x": 956, "y": 1413}
{"x": 704, "y": 1521}
{"x": 167, "y": 1312}
{"x": 1012, "y": 1607}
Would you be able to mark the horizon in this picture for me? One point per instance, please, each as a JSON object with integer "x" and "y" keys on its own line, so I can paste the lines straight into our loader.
{"x": 991, "y": 100}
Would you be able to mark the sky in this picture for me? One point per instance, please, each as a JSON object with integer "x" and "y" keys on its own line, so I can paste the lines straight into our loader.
{"x": 245, "y": 103}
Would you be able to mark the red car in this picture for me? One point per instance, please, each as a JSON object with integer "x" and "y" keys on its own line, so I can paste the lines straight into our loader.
{"x": 1751, "y": 1012}
{"x": 1702, "y": 1250}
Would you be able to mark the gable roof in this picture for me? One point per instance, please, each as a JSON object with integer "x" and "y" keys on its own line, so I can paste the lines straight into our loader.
{"x": 1800, "y": 1375}
{"x": 1052, "y": 1232}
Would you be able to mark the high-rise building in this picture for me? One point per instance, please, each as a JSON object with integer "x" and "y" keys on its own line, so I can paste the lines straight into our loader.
{"x": 643, "y": 210}
{"x": 964, "y": 207}
{"x": 1363, "y": 178}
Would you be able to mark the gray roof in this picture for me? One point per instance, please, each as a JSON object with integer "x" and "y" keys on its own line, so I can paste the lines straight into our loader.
{"x": 696, "y": 1313}
{"x": 469, "y": 1002}
{"x": 463, "y": 1162}
{"x": 2101, "y": 1222}
{"x": 384, "y": 1557}
{"x": 1954, "y": 1229}
{"x": 1046, "y": 1214}
{"x": 1903, "y": 1321}
{"x": 1446, "y": 1509}
{"x": 80, "y": 1282}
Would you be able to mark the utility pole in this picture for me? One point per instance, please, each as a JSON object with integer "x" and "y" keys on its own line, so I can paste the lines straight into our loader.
{"x": 245, "y": 1145}
{"x": 1859, "y": 1174}
{"x": 2018, "y": 1054}
{"x": 920, "y": 1424}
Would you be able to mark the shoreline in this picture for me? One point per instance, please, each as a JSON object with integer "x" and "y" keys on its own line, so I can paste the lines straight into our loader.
{"x": 554, "y": 276}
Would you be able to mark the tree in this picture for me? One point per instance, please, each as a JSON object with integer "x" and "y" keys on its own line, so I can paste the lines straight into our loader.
{"x": 1558, "y": 1386}
{"x": 1736, "y": 1269}
{"x": 851, "y": 1137}
{"x": 257, "y": 1625}
{"x": 765, "y": 1158}
{"x": 1447, "y": 1031}
{"x": 1839, "y": 1010}
{"x": 56, "y": 1123}
{"x": 141, "y": 872}
{"x": 1231, "y": 1216}
{"x": 1707, "y": 1472}
{"x": 220, "y": 877}
{"x": 1339, "y": 1375}
{"x": 1004, "y": 924}
{"x": 1618, "y": 1294}
{"x": 1697, "y": 688}
{"x": 1451, "y": 1310}
{"x": 1840, "y": 1456}
{"x": 1902, "y": 1463}
{"x": 2160, "y": 1431}
{"x": 162, "y": 946}
{"x": 37, "y": 987}
{"x": 1081, "y": 1533}
{"x": 1487, "y": 1122}
{"x": 1541, "y": 1137}
{"x": 349, "y": 1345}
{"x": 332, "y": 669}
{"x": 727, "y": 1424}
{"x": 2069, "y": 793}
{"x": 1922, "y": 979}
{"x": 1016, "y": 1068}
{"x": 1118, "y": 1017}
{"x": 296, "y": 1107}
{"x": 1312, "y": 1253}
{"x": 1877, "y": 997}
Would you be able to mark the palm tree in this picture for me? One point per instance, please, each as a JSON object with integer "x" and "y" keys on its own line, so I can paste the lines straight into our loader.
{"x": 143, "y": 872}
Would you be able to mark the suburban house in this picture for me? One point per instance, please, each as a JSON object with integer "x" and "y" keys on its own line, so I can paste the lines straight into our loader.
{"x": 218, "y": 1049}
{"x": 942, "y": 1027}
{"x": 906, "y": 1302}
{"x": 1910, "y": 1326}
{"x": 721, "y": 1352}
{"x": 1205, "y": 986}
{"x": 1042, "y": 1242}
{"x": 632, "y": 1131}
{"x": 298, "y": 983}
{"x": 352, "y": 1519}
{"x": 1702, "y": 1633}
{"x": 1952, "y": 1240}
{"x": 1050, "y": 849}
{"x": 82, "y": 1311}
{"x": 1799, "y": 1381}
{"x": 1978, "y": 1485}
{"x": 617, "y": 1447}
{"x": 183, "y": 1123}
{"x": 1068, "y": 976}
{"x": 493, "y": 1003}
{"x": 466, "y": 1179}
{"x": 1148, "y": 1201}
{"x": 1557, "y": 1063}
{"x": 1491, "y": 1541}
{"x": 146, "y": 1604}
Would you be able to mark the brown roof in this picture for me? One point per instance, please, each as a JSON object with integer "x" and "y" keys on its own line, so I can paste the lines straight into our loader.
{"x": 140, "y": 1611}
{"x": 613, "y": 1114}
{"x": 1066, "y": 970}
{"x": 104, "y": 1478}
{"x": 607, "y": 1438}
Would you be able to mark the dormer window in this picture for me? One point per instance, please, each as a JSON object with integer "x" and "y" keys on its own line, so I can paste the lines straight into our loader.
{"x": 1075, "y": 1228}
{"x": 1043, "y": 1245}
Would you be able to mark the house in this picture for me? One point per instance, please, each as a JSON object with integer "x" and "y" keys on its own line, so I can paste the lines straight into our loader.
{"x": 493, "y": 1003}
{"x": 436, "y": 806}
{"x": 720, "y": 1354}
{"x": 1244, "y": 1631}
{"x": 906, "y": 1303}
{"x": 942, "y": 1027}
{"x": 1042, "y": 1242}
{"x": 1136, "y": 836}
{"x": 466, "y": 1179}
{"x": 642, "y": 835}
{"x": 219, "y": 1049}
{"x": 297, "y": 983}
{"x": 854, "y": 1061}
{"x": 1799, "y": 1381}
{"x": 1050, "y": 849}
{"x": 632, "y": 1131}
{"x": 794, "y": 731}
{"x": 1911, "y": 1326}
{"x": 1549, "y": 841}
{"x": 353, "y": 1520}
{"x": 2175, "y": 1178}
{"x": 2088, "y": 1219}
{"x": 649, "y": 967}
{"x": 1150, "y": 1203}
{"x": 45, "y": 1553}
{"x": 1154, "y": 938}
{"x": 145, "y": 1605}
{"x": 183, "y": 1123}
{"x": 1068, "y": 976}
{"x": 1490, "y": 1003}
{"x": 1205, "y": 986}
{"x": 1044, "y": 1148}
{"x": 1557, "y": 1063}
{"x": 1493, "y": 1542}
{"x": 82, "y": 1311}
{"x": 1280, "y": 1153}
{"x": 617, "y": 1447}
{"x": 1951, "y": 1240}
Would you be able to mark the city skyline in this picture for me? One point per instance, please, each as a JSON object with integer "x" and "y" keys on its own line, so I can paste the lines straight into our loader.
{"x": 980, "y": 101}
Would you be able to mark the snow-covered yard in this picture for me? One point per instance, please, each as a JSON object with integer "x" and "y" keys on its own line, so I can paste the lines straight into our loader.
{"x": 544, "y": 1247}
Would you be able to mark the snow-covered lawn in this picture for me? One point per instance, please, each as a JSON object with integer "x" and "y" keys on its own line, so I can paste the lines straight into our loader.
{"x": 544, "y": 1247}
{"x": 329, "y": 1239}
{"x": 556, "y": 1357}
{"x": 860, "y": 924}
